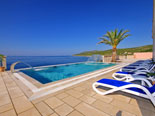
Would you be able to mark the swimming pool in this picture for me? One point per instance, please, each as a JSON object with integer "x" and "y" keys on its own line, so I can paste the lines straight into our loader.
{"x": 54, "y": 73}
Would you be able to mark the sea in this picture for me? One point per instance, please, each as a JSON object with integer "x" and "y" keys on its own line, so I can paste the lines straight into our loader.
{"x": 35, "y": 61}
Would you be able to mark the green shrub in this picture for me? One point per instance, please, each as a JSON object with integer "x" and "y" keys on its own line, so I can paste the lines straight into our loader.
{"x": 1, "y": 59}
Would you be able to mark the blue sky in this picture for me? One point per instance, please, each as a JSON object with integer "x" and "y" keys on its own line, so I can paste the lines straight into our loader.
{"x": 65, "y": 27}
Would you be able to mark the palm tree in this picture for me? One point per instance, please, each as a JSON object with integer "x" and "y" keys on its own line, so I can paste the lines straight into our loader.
{"x": 113, "y": 38}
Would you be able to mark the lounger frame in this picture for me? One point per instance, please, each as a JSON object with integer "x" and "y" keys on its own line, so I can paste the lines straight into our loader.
{"x": 148, "y": 95}
{"x": 130, "y": 77}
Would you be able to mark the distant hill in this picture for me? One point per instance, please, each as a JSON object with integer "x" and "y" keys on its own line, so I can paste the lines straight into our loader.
{"x": 147, "y": 48}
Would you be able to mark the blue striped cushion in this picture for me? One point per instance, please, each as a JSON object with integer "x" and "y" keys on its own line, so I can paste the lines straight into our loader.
{"x": 124, "y": 72}
{"x": 129, "y": 67}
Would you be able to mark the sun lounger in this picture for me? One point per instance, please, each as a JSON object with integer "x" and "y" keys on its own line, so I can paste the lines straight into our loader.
{"x": 128, "y": 76}
{"x": 140, "y": 68}
{"x": 135, "y": 89}
{"x": 139, "y": 64}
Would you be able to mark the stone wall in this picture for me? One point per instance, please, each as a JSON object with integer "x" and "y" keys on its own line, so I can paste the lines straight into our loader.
{"x": 143, "y": 55}
{"x": 126, "y": 57}
{"x": 140, "y": 55}
{"x": 107, "y": 58}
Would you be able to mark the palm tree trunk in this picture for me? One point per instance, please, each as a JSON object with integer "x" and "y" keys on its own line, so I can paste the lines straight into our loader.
{"x": 114, "y": 49}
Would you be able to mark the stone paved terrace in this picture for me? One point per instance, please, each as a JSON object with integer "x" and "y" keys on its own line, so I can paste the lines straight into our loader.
{"x": 78, "y": 100}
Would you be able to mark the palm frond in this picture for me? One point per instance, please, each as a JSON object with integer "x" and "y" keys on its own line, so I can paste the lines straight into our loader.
{"x": 113, "y": 38}
{"x": 120, "y": 32}
{"x": 123, "y": 37}
{"x": 116, "y": 31}
{"x": 123, "y": 33}
{"x": 105, "y": 41}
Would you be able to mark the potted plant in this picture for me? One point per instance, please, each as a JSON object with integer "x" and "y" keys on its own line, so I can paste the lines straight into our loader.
{"x": 1, "y": 67}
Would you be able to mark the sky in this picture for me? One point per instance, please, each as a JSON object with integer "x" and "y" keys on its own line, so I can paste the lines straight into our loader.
{"x": 66, "y": 27}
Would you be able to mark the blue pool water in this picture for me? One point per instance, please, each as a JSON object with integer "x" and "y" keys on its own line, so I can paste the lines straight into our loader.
{"x": 55, "y": 73}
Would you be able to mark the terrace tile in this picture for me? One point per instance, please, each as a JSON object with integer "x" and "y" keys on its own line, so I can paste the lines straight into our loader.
{"x": 4, "y": 99}
{"x": 88, "y": 110}
{"x": 75, "y": 94}
{"x": 22, "y": 104}
{"x": 6, "y": 107}
{"x": 119, "y": 96}
{"x": 79, "y": 88}
{"x": 2, "y": 88}
{"x": 87, "y": 99}
{"x": 88, "y": 92}
{"x": 64, "y": 110}
{"x": 44, "y": 109}
{"x": 15, "y": 92}
{"x": 127, "y": 107}
{"x": 9, "y": 113}
{"x": 54, "y": 114}
{"x": 71, "y": 101}
{"x": 53, "y": 102}
{"x": 75, "y": 113}
{"x": 42, "y": 98}
{"x": 62, "y": 95}
{"x": 105, "y": 99}
{"x": 30, "y": 112}
{"x": 109, "y": 109}
{"x": 9, "y": 83}
{"x": 3, "y": 92}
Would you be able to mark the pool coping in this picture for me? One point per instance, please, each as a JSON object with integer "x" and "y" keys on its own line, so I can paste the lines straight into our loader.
{"x": 53, "y": 87}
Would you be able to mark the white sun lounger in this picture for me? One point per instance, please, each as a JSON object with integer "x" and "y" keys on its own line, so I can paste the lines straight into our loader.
{"x": 129, "y": 76}
{"x": 135, "y": 89}
{"x": 140, "y": 68}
